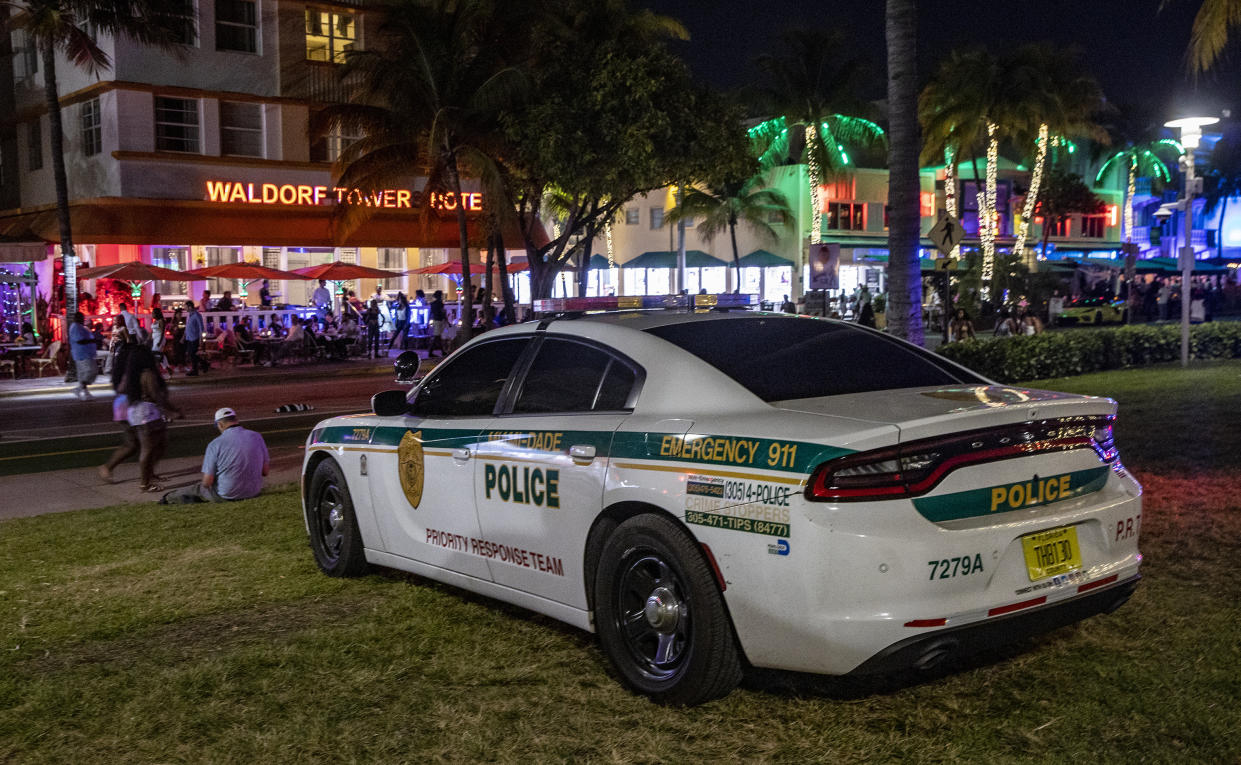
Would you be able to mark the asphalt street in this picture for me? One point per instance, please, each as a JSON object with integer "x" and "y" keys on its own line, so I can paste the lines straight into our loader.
{"x": 55, "y": 431}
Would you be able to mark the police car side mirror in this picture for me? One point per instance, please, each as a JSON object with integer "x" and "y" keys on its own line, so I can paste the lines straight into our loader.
{"x": 408, "y": 368}
{"x": 390, "y": 403}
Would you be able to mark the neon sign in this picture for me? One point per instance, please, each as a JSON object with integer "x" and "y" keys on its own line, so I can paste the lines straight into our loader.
{"x": 314, "y": 196}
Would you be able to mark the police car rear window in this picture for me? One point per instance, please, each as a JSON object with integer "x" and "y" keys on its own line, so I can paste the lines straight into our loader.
{"x": 779, "y": 359}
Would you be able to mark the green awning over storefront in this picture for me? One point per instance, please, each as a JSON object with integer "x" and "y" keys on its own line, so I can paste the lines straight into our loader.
{"x": 764, "y": 259}
{"x": 598, "y": 261}
{"x": 668, "y": 259}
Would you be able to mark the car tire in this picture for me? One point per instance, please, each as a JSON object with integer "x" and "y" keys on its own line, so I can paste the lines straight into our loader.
{"x": 661, "y": 616}
{"x": 1098, "y": 317}
{"x": 333, "y": 523}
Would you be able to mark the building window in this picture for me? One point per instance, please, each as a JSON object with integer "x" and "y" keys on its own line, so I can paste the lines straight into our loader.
{"x": 1093, "y": 225}
{"x": 657, "y": 218}
{"x": 237, "y": 25}
{"x": 392, "y": 259}
{"x": 241, "y": 129}
{"x": 1060, "y": 227}
{"x": 30, "y": 57}
{"x": 330, "y": 35}
{"x": 176, "y": 258}
{"x": 92, "y": 130}
{"x": 846, "y": 216}
{"x": 219, "y": 256}
{"x": 34, "y": 143}
{"x": 176, "y": 124}
{"x": 183, "y": 21}
{"x": 632, "y": 216}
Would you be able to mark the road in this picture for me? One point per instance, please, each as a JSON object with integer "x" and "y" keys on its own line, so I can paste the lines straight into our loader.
{"x": 56, "y": 431}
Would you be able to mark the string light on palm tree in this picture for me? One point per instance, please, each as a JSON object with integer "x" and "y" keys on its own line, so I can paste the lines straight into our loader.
{"x": 816, "y": 204}
{"x": 1140, "y": 159}
{"x": 987, "y": 223}
{"x": 607, "y": 235}
{"x": 950, "y": 191}
{"x": 1036, "y": 180}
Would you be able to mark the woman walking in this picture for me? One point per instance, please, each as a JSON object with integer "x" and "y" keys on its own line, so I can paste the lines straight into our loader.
{"x": 148, "y": 406}
{"x": 401, "y": 318}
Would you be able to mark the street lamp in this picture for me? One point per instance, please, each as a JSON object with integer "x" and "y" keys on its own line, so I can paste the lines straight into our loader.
{"x": 1191, "y": 136}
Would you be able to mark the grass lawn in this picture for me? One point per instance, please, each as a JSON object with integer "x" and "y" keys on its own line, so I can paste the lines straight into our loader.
{"x": 205, "y": 634}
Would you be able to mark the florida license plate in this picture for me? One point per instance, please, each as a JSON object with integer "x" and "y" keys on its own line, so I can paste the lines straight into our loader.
{"x": 1052, "y": 552}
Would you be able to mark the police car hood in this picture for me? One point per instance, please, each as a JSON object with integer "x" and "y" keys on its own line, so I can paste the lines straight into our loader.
{"x": 932, "y": 411}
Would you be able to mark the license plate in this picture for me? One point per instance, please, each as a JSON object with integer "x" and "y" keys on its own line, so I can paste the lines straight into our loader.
{"x": 1052, "y": 552}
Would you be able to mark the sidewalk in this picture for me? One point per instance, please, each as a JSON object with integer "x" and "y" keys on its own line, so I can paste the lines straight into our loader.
{"x": 219, "y": 374}
{"x": 81, "y": 488}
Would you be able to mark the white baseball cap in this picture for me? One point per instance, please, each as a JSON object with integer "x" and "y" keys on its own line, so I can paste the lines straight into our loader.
{"x": 225, "y": 414}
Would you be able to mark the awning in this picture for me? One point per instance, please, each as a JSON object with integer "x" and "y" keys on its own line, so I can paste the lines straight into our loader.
{"x": 599, "y": 261}
{"x": 23, "y": 252}
{"x": 115, "y": 220}
{"x": 668, "y": 259}
{"x": 764, "y": 259}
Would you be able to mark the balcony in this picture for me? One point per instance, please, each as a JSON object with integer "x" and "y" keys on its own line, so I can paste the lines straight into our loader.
{"x": 316, "y": 82}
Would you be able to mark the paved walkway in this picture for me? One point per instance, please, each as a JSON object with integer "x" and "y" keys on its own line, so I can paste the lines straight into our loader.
{"x": 82, "y": 488}
{"x": 219, "y": 374}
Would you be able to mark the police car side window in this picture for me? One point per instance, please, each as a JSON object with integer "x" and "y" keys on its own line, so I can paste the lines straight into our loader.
{"x": 470, "y": 384}
{"x": 569, "y": 377}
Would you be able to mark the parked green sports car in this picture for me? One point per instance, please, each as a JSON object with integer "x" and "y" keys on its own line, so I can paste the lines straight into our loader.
{"x": 1093, "y": 311}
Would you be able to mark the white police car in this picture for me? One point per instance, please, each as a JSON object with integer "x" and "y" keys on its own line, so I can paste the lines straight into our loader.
{"x": 711, "y": 489}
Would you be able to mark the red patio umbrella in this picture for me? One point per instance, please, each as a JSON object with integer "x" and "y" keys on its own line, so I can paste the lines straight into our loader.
{"x": 447, "y": 269}
{"x": 133, "y": 271}
{"x": 247, "y": 272}
{"x": 341, "y": 272}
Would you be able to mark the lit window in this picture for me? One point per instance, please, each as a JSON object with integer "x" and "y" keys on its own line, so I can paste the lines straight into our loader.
{"x": 657, "y": 217}
{"x": 1093, "y": 225}
{"x": 34, "y": 144}
{"x": 176, "y": 124}
{"x": 92, "y": 131}
{"x": 237, "y": 26}
{"x": 330, "y": 35}
{"x": 846, "y": 216}
{"x": 241, "y": 129}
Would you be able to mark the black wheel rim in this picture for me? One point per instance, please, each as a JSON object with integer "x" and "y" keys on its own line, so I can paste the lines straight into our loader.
{"x": 652, "y": 615}
{"x": 329, "y": 511}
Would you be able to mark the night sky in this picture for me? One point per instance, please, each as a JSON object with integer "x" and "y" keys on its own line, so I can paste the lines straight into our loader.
{"x": 1134, "y": 50}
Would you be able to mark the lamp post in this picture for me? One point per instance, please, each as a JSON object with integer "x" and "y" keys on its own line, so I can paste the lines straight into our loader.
{"x": 1191, "y": 137}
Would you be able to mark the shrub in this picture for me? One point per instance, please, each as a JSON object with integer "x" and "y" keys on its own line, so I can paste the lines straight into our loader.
{"x": 1062, "y": 354}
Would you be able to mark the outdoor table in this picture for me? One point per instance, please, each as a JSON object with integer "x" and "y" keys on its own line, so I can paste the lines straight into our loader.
{"x": 20, "y": 354}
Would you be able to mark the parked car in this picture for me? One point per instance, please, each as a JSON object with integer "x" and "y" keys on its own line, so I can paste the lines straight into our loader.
{"x": 1093, "y": 311}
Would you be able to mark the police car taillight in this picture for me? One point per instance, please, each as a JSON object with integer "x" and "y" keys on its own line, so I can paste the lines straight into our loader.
{"x": 622, "y": 302}
{"x": 916, "y": 467}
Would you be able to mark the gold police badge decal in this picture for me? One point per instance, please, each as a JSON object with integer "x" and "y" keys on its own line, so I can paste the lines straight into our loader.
{"x": 410, "y": 465}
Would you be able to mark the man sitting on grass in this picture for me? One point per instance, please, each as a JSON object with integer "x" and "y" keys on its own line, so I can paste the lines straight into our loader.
{"x": 233, "y": 468}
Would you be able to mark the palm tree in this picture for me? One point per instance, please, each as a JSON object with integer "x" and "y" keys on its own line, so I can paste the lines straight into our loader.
{"x": 716, "y": 208}
{"x": 1140, "y": 159}
{"x": 429, "y": 98}
{"x": 1209, "y": 35}
{"x": 904, "y": 186}
{"x": 813, "y": 87}
{"x": 1224, "y": 178}
{"x": 61, "y": 26}
{"x": 971, "y": 105}
{"x": 1064, "y": 99}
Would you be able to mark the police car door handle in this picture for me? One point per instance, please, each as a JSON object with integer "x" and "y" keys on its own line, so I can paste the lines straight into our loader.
{"x": 582, "y": 452}
{"x": 461, "y": 454}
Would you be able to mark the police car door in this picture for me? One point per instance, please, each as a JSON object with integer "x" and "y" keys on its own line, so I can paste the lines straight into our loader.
{"x": 423, "y": 493}
{"x": 541, "y": 466}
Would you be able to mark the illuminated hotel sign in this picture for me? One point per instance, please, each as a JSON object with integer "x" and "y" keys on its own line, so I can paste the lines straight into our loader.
{"x": 315, "y": 196}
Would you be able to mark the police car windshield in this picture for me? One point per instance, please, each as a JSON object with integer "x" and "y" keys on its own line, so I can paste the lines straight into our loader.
{"x": 778, "y": 359}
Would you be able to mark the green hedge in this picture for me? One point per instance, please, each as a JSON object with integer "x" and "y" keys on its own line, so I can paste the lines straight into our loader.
{"x": 1061, "y": 354}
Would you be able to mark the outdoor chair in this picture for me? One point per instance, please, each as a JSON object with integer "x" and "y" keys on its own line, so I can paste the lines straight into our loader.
{"x": 10, "y": 366}
{"x": 48, "y": 358}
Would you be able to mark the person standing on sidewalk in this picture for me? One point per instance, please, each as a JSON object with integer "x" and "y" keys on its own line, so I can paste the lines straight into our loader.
{"x": 321, "y": 299}
{"x": 131, "y": 322}
{"x": 401, "y": 318}
{"x": 148, "y": 407}
{"x": 120, "y": 414}
{"x": 371, "y": 317}
{"x": 233, "y": 467}
{"x": 439, "y": 320}
{"x": 82, "y": 349}
{"x": 193, "y": 336}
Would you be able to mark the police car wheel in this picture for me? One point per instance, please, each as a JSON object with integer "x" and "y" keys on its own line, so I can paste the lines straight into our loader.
{"x": 1098, "y": 317}
{"x": 334, "y": 535}
{"x": 660, "y": 615}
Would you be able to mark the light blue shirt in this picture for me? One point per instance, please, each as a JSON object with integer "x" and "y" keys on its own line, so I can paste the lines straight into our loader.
{"x": 82, "y": 342}
{"x": 236, "y": 458}
{"x": 194, "y": 327}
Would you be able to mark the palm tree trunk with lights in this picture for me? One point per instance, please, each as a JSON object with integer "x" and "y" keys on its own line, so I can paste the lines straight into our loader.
{"x": 56, "y": 134}
{"x": 904, "y": 308}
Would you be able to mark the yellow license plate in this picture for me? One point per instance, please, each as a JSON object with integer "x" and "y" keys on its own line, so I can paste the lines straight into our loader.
{"x": 1052, "y": 552}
